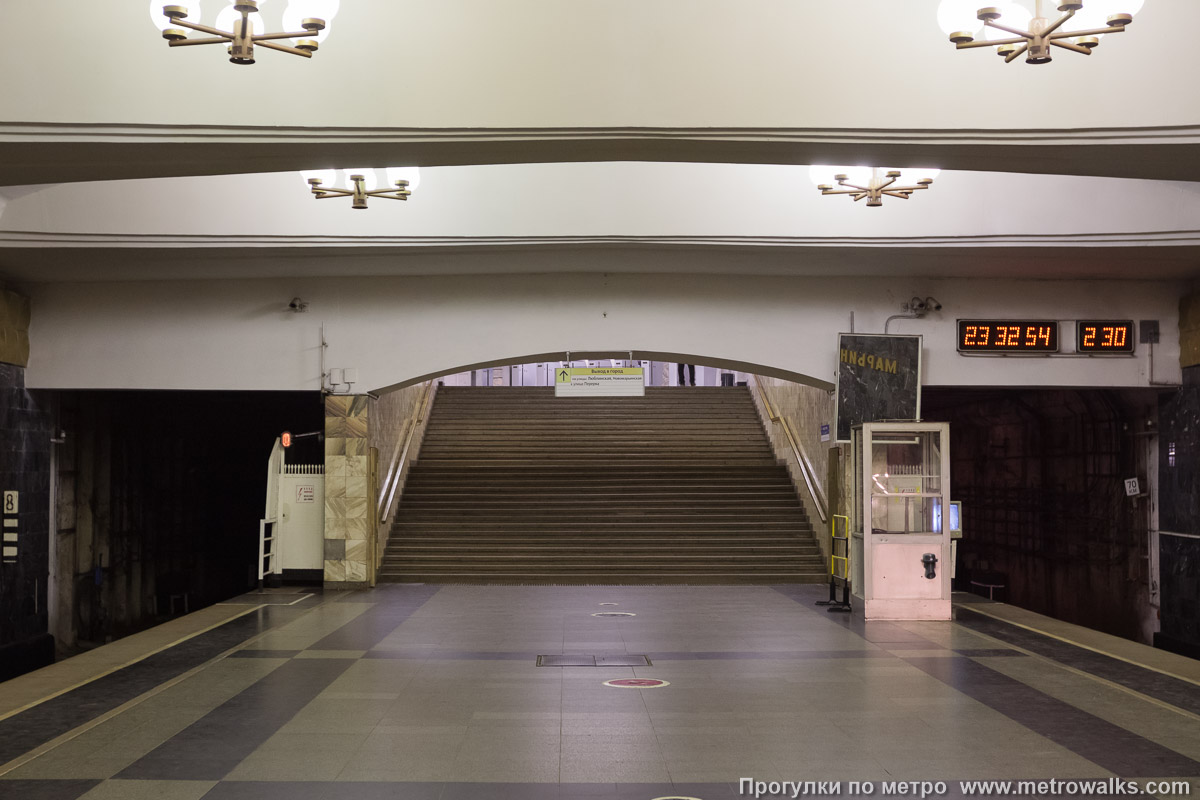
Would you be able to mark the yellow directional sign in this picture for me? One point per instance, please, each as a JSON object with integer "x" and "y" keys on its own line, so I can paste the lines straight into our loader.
{"x": 599, "y": 382}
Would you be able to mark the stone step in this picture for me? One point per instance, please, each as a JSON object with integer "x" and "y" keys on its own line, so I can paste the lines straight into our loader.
{"x": 507, "y": 502}
{"x": 592, "y": 528}
{"x": 515, "y": 485}
{"x": 604, "y": 578}
{"x": 598, "y": 495}
{"x": 615, "y": 462}
{"x": 679, "y": 548}
{"x": 576, "y": 565}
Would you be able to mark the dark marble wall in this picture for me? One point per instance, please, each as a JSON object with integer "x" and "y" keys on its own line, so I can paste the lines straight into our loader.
{"x": 1179, "y": 584}
{"x": 1179, "y": 456}
{"x": 1040, "y": 475}
{"x": 1179, "y": 512}
{"x": 25, "y": 467}
{"x": 166, "y": 491}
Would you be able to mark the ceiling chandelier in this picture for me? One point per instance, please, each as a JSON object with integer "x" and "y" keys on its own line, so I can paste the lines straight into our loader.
{"x": 1033, "y": 34}
{"x": 236, "y": 28}
{"x": 402, "y": 181}
{"x": 870, "y": 183}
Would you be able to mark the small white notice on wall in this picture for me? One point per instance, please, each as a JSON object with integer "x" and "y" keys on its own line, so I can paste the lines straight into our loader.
{"x": 10, "y": 502}
{"x": 824, "y": 433}
{"x": 306, "y": 494}
{"x": 1132, "y": 487}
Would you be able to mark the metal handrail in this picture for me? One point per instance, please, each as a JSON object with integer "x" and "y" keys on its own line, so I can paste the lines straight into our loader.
{"x": 806, "y": 468}
{"x": 391, "y": 483}
{"x": 392, "y": 471}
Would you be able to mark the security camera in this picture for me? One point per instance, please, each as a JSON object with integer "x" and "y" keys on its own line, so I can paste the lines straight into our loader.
{"x": 933, "y": 304}
{"x": 298, "y": 306}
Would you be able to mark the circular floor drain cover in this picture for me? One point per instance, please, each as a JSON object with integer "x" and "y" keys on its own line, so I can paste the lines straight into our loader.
{"x": 637, "y": 683}
{"x": 613, "y": 614}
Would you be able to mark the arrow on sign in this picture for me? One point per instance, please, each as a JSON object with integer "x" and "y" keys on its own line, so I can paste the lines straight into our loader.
{"x": 562, "y": 376}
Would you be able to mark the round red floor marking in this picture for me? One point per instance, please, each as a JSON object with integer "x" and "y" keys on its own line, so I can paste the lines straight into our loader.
{"x": 613, "y": 614}
{"x": 637, "y": 683}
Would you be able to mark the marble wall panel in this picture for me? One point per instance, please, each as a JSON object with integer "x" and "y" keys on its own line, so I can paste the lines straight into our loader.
{"x": 346, "y": 503}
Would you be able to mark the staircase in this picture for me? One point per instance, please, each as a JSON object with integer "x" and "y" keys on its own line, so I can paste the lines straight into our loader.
{"x": 514, "y": 485}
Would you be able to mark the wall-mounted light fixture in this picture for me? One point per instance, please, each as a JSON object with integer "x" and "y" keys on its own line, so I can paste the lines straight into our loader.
{"x": 1033, "y": 34}
{"x": 236, "y": 28}
{"x": 870, "y": 183}
{"x": 363, "y": 182}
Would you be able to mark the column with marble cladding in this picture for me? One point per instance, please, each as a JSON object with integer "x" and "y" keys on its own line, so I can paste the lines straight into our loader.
{"x": 347, "y": 506}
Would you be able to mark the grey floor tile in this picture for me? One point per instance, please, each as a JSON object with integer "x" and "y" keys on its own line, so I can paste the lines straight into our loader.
{"x": 605, "y": 767}
{"x": 63, "y": 789}
{"x": 150, "y": 790}
{"x": 446, "y": 703}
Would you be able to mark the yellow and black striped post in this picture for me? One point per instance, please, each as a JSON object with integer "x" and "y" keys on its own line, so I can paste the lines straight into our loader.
{"x": 839, "y": 563}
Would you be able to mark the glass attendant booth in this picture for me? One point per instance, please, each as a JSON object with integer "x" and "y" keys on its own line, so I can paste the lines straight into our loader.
{"x": 901, "y": 532}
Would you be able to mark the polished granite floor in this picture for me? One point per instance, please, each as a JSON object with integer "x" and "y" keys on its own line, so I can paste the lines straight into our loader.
{"x": 433, "y": 693}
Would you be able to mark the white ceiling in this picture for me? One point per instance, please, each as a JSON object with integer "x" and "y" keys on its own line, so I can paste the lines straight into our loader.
{"x": 594, "y": 135}
{"x": 765, "y": 219}
{"x": 867, "y": 65}
{"x": 629, "y": 199}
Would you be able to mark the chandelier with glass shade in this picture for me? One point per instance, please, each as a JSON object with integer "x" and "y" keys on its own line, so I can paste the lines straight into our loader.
{"x": 240, "y": 26}
{"x": 363, "y": 182}
{"x": 1032, "y": 29}
{"x": 871, "y": 183}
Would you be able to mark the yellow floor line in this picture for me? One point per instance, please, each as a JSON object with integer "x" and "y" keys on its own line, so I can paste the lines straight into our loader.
{"x": 143, "y": 697}
{"x": 76, "y": 732}
{"x": 1083, "y": 673}
{"x": 111, "y": 670}
{"x": 294, "y": 602}
{"x": 977, "y": 610}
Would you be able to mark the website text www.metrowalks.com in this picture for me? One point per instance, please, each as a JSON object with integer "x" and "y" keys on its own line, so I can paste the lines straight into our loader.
{"x": 1105, "y": 787}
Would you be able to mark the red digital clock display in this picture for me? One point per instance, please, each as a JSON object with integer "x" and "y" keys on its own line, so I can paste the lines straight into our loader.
{"x": 1104, "y": 336}
{"x": 1007, "y": 336}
